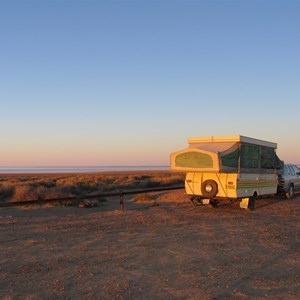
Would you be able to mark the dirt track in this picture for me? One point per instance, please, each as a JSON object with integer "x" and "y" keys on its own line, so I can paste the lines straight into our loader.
{"x": 171, "y": 251}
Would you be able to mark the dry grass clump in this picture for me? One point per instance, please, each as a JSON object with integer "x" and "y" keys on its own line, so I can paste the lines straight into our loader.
{"x": 34, "y": 187}
{"x": 146, "y": 198}
{"x": 143, "y": 197}
{"x": 29, "y": 192}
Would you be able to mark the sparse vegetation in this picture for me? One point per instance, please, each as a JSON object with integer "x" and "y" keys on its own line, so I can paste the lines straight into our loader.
{"x": 144, "y": 197}
{"x": 34, "y": 187}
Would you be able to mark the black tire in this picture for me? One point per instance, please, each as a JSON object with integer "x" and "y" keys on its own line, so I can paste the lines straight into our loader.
{"x": 290, "y": 193}
{"x": 209, "y": 189}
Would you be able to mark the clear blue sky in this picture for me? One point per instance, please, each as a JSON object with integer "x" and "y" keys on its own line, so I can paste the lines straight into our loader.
{"x": 127, "y": 82}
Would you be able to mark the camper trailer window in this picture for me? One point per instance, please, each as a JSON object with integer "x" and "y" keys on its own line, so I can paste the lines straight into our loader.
{"x": 231, "y": 159}
{"x": 194, "y": 160}
{"x": 250, "y": 157}
{"x": 269, "y": 159}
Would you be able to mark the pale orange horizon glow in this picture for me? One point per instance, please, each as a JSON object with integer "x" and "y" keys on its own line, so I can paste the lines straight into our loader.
{"x": 94, "y": 155}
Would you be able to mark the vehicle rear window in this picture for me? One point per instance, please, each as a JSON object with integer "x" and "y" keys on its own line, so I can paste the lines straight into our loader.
{"x": 292, "y": 172}
{"x": 296, "y": 170}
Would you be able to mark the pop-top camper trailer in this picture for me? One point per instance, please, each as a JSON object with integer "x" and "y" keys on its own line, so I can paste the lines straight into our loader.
{"x": 228, "y": 167}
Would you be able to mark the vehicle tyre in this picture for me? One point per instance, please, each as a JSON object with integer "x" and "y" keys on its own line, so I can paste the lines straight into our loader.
{"x": 290, "y": 193}
{"x": 209, "y": 189}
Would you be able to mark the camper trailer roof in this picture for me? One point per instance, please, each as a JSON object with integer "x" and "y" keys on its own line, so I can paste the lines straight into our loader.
{"x": 230, "y": 138}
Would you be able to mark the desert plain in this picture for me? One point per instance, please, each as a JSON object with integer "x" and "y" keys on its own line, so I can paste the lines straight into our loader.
{"x": 160, "y": 247}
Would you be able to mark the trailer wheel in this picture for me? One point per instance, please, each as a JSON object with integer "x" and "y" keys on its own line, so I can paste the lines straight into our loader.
{"x": 209, "y": 189}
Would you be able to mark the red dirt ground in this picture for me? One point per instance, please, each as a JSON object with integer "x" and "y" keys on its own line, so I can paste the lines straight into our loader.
{"x": 169, "y": 251}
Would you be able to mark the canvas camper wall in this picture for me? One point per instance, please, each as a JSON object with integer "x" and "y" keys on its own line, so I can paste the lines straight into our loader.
{"x": 227, "y": 154}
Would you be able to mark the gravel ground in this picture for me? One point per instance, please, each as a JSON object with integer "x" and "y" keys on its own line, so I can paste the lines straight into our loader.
{"x": 171, "y": 250}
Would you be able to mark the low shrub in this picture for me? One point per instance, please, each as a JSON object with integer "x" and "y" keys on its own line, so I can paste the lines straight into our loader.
{"x": 33, "y": 187}
{"x": 144, "y": 197}
{"x": 24, "y": 192}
